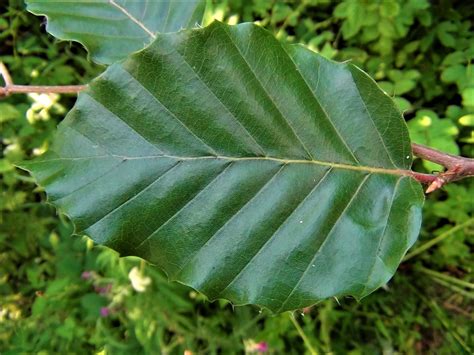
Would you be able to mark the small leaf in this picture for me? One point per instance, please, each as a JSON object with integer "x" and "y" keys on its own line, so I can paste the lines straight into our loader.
{"x": 403, "y": 86}
{"x": 355, "y": 19}
{"x": 467, "y": 120}
{"x": 248, "y": 169}
{"x": 453, "y": 73}
{"x": 8, "y": 112}
{"x": 389, "y": 9}
{"x": 112, "y": 29}
{"x": 386, "y": 28}
{"x": 402, "y": 104}
{"x": 444, "y": 30}
{"x": 468, "y": 97}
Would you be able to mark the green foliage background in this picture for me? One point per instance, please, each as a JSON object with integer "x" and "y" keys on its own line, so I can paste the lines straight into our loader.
{"x": 419, "y": 52}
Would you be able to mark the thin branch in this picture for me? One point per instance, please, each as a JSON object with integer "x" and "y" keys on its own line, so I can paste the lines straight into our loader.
{"x": 26, "y": 89}
{"x": 447, "y": 160}
{"x": 5, "y": 75}
{"x": 457, "y": 167}
{"x": 10, "y": 88}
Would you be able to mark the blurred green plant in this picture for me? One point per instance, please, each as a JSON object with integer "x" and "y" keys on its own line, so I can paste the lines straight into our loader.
{"x": 61, "y": 294}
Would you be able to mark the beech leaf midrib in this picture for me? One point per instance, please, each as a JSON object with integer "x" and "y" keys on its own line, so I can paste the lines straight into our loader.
{"x": 326, "y": 238}
{"x": 368, "y": 169}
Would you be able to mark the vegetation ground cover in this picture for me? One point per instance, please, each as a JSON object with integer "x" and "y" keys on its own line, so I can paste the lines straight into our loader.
{"x": 85, "y": 298}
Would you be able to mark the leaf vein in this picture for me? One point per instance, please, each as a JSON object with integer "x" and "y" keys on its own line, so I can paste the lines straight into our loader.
{"x": 372, "y": 120}
{"x": 326, "y": 114}
{"x": 335, "y": 165}
{"x": 97, "y": 178}
{"x": 123, "y": 121}
{"x": 184, "y": 206}
{"x": 134, "y": 196}
{"x": 224, "y": 105}
{"x": 326, "y": 238}
{"x": 131, "y": 17}
{"x": 267, "y": 93}
{"x": 172, "y": 114}
{"x": 193, "y": 255}
{"x": 301, "y": 203}
{"x": 382, "y": 237}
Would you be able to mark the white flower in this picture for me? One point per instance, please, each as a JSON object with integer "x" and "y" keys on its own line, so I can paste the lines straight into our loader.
{"x": 139, "y": 282}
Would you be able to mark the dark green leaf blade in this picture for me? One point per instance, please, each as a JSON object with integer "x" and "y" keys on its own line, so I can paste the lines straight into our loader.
{"x": 247, "y": 169}
{"x": 112, "y": 29}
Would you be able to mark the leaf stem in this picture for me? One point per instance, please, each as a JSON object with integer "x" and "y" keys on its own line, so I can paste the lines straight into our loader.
{"x": 420, "y": 177}
{"x": 5, "y": 75}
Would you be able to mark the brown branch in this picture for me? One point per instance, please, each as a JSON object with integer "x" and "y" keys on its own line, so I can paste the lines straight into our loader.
{"x": 5, "y": 75}
{"x": 420, "y": 177}
{"x": 457, "y": 167}
{"x": 11, "y": 88}
{"x": 26, "y": 89}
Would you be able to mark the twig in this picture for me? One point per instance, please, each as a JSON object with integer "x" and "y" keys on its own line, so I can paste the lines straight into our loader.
{"x": 457, "y": 167}
{"x": 5, "y": 75}
{"x": 11, "y": 88}
{"x": 26, "y": 89}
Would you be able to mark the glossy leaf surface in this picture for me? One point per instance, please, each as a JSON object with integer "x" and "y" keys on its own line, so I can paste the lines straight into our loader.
{"x": 251, "y": 170}
{"x": 112, "y": 29}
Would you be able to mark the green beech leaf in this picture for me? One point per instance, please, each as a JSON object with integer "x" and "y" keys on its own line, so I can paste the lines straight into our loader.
{"x": 112, "y": 29}
{"x": 248, "y": 169}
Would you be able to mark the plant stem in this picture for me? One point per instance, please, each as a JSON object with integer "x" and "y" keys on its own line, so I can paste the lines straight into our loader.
{"x": 454, "y": 288}
{"x": 26, "y": 89}
{"x": 420, "y": 177}
{"x": 5, "y": 75}
{"x": 11, "y": 88}
{"x": 447, "y": 278}
{"x": 438, "y": 239}
{"x": 445, "y": 159}
{"x": 302, "y": 335}
{"x": 437, "y": 311}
